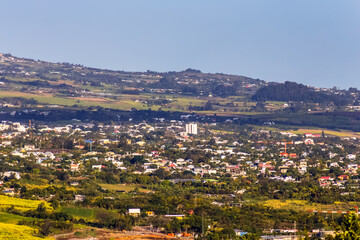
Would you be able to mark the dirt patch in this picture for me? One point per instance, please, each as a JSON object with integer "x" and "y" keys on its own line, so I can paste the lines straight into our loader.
{"x": 105, "y": 234}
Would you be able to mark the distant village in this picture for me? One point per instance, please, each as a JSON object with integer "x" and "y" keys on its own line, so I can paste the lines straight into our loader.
{"x": 206, "y": 153}
{"x": 228, "y": 157}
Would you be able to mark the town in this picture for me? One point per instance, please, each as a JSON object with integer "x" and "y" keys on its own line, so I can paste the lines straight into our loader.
{"x": 192, "y": 120}
{"x": 180, "y": 178}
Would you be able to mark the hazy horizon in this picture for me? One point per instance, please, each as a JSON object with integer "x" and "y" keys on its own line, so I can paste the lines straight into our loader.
{"x": 311, "y": 42}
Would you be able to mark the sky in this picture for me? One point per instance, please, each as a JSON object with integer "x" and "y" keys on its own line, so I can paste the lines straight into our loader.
{"x": 314, "y": 42}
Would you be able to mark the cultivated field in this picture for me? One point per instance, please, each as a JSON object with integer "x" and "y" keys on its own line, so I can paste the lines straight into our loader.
{"x": 20, "y": 204}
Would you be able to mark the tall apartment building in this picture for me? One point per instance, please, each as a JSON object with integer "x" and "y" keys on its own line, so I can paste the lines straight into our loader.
{"x": 191, "y": 128}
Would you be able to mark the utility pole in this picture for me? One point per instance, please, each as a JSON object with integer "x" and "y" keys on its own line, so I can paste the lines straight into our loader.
{"x": 202, "y": 225}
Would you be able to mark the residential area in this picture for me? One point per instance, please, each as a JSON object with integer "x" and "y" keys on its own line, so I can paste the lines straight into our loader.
{"x": 184, "y": 170}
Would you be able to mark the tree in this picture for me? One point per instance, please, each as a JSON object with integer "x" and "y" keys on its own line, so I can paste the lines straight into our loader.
{"x": 350, "y": 228}
{"x": 41, "y": 211}
{"x": 45, "y": 228}
{"x": 208, "y": 106}
{"x": 160, "y": 173}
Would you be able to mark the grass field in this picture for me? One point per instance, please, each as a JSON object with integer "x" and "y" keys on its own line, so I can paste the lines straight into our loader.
{"x": 83, "y": 212}
{"x": 122, "y": 187}
{"x": 79, "y": 212}
{"x": 339, "y": 133}
{"x": 221, "y": 131}
{"x": 232, "y": 114}
{"x": 32, "y": 186}
{"x": 302, "y": 205}
{"x": 304, "y": 129}
{"x": 53, "y": 100}
{"x": 310, "y": 121}
{"x": 18, "y": 232}
{"x": 237, "y": 108}
{"x": 12, "y": 218}
{"x": 20, "y": 204}
{"x": 125, "y": 101}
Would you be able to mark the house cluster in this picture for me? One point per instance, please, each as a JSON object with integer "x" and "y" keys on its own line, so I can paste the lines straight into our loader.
{"x": 213, "y": 153}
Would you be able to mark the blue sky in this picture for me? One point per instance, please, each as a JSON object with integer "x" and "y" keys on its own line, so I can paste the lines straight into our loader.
{"x": 315, "y": 42}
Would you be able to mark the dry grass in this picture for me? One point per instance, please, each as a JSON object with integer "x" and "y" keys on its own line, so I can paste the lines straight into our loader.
{"x": 340, "y": 133}
{"x": 302, "y": 205}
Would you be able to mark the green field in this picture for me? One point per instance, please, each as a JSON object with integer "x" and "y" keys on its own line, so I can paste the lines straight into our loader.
{"x": 123, "y": 102}
{"x": 309, "y": 121}
{"x": 232, "y": 106}
{"x": 12, "y": 218}
{"x": 126, "y": 101}
{"x": 222, "y": 131}
{"x": 339, "y": 133}
{"x": 313, "y": 130}
{"x": 20, "y": 204}
{"x": 83, "y": 212}
{"x": 122, "y": 187}
{"x": 8, "y": 222}
{"x": 79, "y": 212}
{"x": 18, "y": 232}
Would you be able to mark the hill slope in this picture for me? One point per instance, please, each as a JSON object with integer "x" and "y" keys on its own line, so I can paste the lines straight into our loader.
{"x": 76, "y": 77}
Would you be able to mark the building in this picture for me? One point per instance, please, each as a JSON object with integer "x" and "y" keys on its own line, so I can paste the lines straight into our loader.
{"x": 9, "y": 174}
{"x": 74, "y": 167}
{"x": 326, "y": 181}
{"x": 309, "y": 141}
{"x": 150, "y": 213}
{"x": 239, "y": 232}
{"x": 191, "y": 128}
{"x": 79, "y": 198}
{"x": 9, "y": 191}
{"x": 134, "y": 212}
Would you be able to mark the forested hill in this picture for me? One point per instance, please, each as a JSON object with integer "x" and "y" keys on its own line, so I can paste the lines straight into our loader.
{"x": 291, "y": 91}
